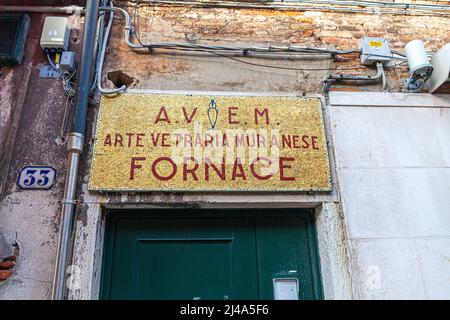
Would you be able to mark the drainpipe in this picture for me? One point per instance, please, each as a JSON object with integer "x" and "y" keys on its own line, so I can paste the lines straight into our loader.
{"x": 75, "y": 148}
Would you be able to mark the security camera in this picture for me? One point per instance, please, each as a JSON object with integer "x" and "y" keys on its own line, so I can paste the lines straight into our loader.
{"x": 420, "y": 68}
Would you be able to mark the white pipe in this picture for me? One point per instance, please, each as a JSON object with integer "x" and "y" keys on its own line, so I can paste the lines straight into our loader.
{"x": 48, "y": 9}
{"x": 102, "y": 54}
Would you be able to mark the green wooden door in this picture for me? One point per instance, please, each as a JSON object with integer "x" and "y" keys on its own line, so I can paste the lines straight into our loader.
{"x": 218, "y": 254}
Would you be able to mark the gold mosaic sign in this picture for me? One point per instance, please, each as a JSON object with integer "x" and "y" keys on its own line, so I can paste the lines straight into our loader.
{"x": 153, "y": 142}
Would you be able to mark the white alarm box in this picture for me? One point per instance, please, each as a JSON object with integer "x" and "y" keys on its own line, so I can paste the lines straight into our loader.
{"x": 55, "y": 34}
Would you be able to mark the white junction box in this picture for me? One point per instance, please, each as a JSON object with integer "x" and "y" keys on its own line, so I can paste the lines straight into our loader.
{"x": 55, "y": 34}
{"x": 374, "y": 50}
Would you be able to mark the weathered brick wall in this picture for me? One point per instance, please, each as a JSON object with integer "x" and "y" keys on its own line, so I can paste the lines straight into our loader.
{"x": 341, "y": 30}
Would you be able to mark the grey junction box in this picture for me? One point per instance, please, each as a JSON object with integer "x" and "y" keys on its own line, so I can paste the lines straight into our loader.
{"x": 67, "y": 61}
{"x": 375, "y": 50}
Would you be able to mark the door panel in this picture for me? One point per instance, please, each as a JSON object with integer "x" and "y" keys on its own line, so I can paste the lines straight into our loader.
{"x": 191, "y": 258}
{"x": 174, "y": 254}
{"x": 177, "y": 269}
{"x": 283, "y": 251}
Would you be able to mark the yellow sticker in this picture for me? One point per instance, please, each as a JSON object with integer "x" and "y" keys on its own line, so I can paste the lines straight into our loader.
{"x": 153, "y": 142}
{"x": 377, "y": 44}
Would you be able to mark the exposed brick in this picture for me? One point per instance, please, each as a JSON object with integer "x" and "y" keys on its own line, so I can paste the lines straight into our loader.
{"x": 270, "y": 27}
{"x": 10, "y": 258}
{"x": 5, "y": 274}
{"x": 8, "y": 264}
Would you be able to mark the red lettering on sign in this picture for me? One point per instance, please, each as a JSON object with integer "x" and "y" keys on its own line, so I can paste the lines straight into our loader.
{"x": 238, "y": 166}
{"x": 155, "y": 139}
{"x": 252, "y": 168}
{"x": 177, "y": 138}
{"x": 231, "y": 115}
{"x": 162, "y": 116}
{"x": 239, "y": 140}
{"x": 261, "y": 140}
{"x": 208, "y": 139}
{"x": 160, "y": 177}
{"x": 274, "y": 141}
{"x": 191, "y": 171}
{"x": 118, "y": 140}
{"x": 285, "y": 166}
{"x": 107, "y": 141}
{"x": 164, "y": 143}
{"x": 134, "y": 166}
{"x": 295, "y": 141}
{"x": 265, "y": 112}
{"x": 286, "y": 140}
{"x": 139, "y": 139}
{"x": 313, "y": 142}
{"x": 224, "y": 140}
{"x": 189, "y": 119}
{"x": 220, "y": 173}
{"x": 129, "y": 135}
{"x": 305, "y": 144}
{"x": 187, "y": 140}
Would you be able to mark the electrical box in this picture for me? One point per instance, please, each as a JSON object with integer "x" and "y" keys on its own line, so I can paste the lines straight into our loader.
{"x": 55, "y": 34}
{"x": 13, "y": 33}
{"x": 67, "y": 61}
{"x": 374, "y": 50}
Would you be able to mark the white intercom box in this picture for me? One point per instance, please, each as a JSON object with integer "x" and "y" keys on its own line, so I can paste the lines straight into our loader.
{"x": 55, "y": 34}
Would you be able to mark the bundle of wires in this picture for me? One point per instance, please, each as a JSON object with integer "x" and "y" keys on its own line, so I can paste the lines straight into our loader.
{"x": 69, "y": 78}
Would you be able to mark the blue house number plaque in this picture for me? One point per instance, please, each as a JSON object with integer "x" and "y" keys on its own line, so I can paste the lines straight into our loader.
{"x": 36, "y": 177}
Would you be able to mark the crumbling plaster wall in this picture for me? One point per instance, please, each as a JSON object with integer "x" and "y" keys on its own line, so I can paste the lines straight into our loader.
{"x": 32, "y": 110}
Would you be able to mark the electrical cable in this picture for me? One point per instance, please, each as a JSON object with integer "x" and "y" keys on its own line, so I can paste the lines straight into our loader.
{"x": 272, "y": 66}
{"x": 272, "y": 50}
{"x": 354, "y": 3}
{"x": 323, "y": 5}
{"x": 52, "y": 64}
{"x": 102, "y": 55}
{"x": 99, "y": 46}
{"x": 66, "y": 77}
{"x": 68, "y": 107}
{"x": 241, "y": 49}
{"x": 345, "y": 77}
{"x": 186, "y": 45}
{"x": 268, "y": 49}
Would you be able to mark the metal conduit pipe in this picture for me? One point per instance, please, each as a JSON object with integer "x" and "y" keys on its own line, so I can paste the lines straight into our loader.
{"x": 75, "y": 148}
{"x": 46, "y": 9}
{"x": 127, "y": 27}
{"x": 330, "y": 78}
